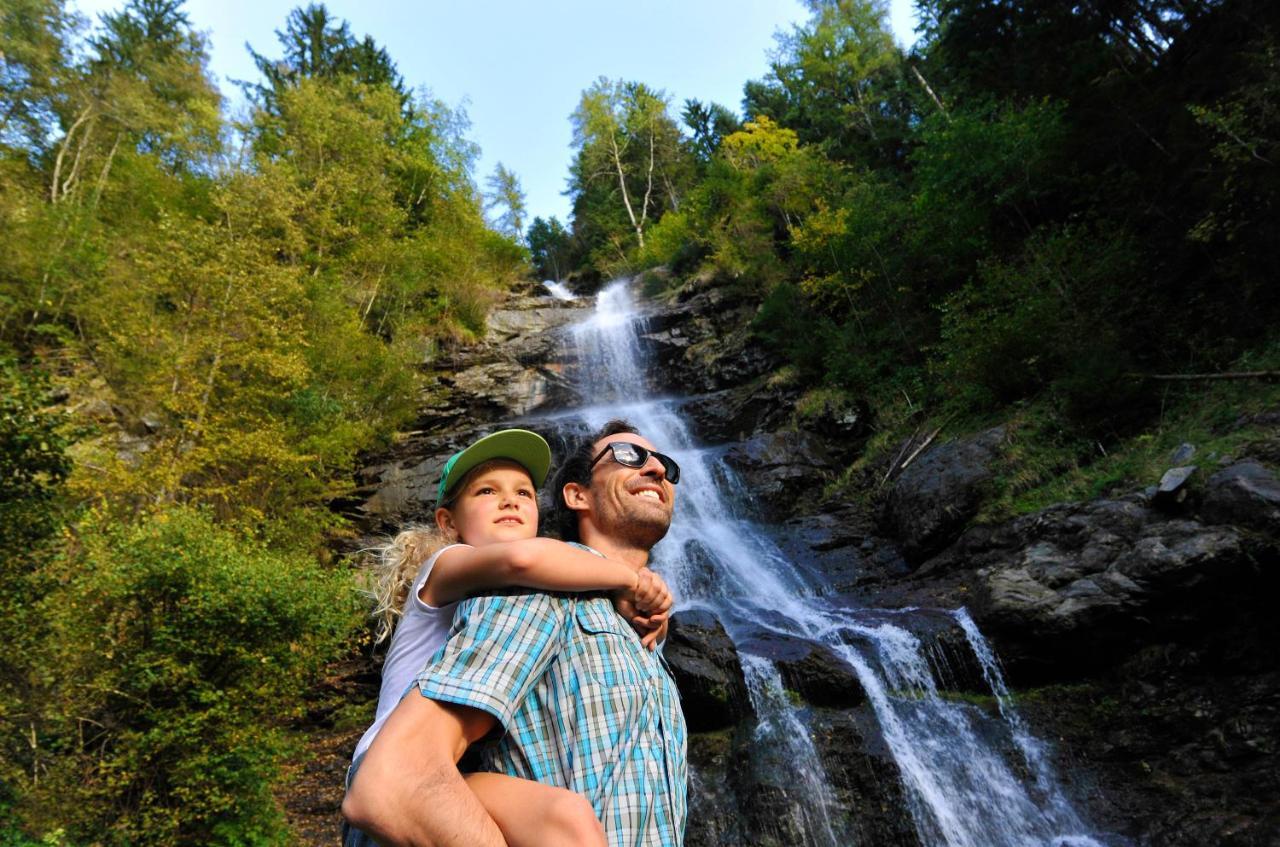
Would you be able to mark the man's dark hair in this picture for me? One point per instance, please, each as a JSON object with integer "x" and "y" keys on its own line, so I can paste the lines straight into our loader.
{"x": 577, "y": 468}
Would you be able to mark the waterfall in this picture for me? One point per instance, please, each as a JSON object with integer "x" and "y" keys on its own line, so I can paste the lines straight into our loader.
{"x": 959, "y": 764}
{"x": 558, "y": 290}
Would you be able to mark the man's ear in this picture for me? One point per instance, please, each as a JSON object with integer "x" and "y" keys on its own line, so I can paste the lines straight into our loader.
{"x": 575, "y": 496}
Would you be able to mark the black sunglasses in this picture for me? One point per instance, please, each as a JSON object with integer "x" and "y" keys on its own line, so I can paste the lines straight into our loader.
{"x": 634, "y": 456}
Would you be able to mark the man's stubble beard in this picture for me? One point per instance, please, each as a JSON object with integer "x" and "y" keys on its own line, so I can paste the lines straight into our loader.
{"x": 640, "y": 532}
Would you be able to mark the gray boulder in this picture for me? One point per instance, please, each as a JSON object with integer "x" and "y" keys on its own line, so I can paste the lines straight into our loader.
{"x": 810, "y": 670}
{"x": 937, "y": 495}
{"x": 1173, "y": 488}
{"x": 1074, "y": 578}
{"x": 1245, "y": 494}
{"x": 778, "y": 466}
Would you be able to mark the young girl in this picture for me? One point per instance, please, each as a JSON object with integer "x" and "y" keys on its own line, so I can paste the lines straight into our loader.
{"x": 485, "y": 538}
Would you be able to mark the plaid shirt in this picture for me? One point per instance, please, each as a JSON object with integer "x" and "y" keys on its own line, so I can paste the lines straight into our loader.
{"x": 584, "y": 706}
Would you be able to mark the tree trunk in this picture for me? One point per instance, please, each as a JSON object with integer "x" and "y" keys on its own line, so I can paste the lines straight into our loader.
{"x": 622, "y": 183}
{"x": 62, "y": 152}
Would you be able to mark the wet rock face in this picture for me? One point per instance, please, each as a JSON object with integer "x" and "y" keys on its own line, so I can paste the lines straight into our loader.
{"x": 736, "y": 799}
{"x": 1142, "y": 645}
{"x": 702, "y": 342}
{"x": 735, "y": 414}
{"x": 1178, "y": 744}
{"x": 1063, "y": 584}
{"x": 934, "y": 498}
{"x": 782, "y": 470}
{"x": 811, "y": 671}
{"x": 713, "y": 692}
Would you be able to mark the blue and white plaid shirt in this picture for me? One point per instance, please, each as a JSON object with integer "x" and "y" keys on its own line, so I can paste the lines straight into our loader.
{"x": 581, "y": 703}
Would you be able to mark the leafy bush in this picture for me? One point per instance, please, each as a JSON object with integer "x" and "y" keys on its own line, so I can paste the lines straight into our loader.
{"x": 33, "y": 465}
{"x": 672, "y": 241}
{"x": 1049, "y": 318}
{"x": 33, "y": 460}
{"x": 176, "y": 650}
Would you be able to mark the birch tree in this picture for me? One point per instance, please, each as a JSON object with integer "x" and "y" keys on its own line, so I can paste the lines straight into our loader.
{"x": 630, "y": 156}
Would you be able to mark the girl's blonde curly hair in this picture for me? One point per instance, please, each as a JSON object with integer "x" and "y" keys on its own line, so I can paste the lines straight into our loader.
{"x": 397, "y": 564}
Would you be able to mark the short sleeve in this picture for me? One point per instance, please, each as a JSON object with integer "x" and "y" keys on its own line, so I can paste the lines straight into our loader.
{"x": 500, "y": 646}
{"x": 424, "y": 573}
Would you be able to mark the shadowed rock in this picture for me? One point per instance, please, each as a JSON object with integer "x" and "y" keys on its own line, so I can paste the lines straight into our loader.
{"x": 713, "y": 691}
{"x": 1245, "y": 493}
{"x": 940, "y": 491}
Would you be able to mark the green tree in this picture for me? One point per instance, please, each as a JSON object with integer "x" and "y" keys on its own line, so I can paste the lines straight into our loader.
{"x": 551, "y": 248}
{"x": 318, "y": 45}
{"x": 34, "y": 59}
{"x": 630, "y": 164}
{"x": 176, "y": 651}
{"x": 709, "y": 123}
{"x": 506, "y": 196}
{"x": 837, "y": 81}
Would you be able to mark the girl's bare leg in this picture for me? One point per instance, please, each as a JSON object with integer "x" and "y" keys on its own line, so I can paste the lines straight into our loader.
{"x": 531, "y": 814}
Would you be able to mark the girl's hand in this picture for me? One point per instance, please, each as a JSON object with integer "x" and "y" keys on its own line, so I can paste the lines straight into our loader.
{"x": 647, "y": 607}
{"x": 652, "y": 597}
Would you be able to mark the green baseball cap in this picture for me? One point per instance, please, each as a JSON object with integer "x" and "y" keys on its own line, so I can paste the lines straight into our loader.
{"x": 525, "y": 448}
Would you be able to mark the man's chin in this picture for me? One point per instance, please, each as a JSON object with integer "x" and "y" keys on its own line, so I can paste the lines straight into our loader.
{"x": 644, "y": 530}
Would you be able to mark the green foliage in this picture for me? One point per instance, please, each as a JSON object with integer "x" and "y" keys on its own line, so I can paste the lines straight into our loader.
{"x": 237, "y": 328}
{"x": 709, "y": 124}
{"x": 33, "y": 44}
{"x": 836, "y": 81}
{"x": 506, "y": 196}
{"x": 550, "y": 248}
{"x": 318, "y": 45}
{"x": 1038, "y": 322}
{"x": 630, "y": 168}
{"x": 1049, "y": 460}
{"x": 982, "y": 177}
{"x": 672, "y": 242}
{"x": 33, "y": 460}
{"x": 176, "y": 651}
{"x": 33, "y": 466}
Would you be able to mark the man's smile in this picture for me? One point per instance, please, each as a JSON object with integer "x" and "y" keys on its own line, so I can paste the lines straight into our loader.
{"x": 650, "y": 493}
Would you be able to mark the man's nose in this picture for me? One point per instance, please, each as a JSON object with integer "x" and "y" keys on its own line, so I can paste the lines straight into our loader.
{"x": 652, "y": 467}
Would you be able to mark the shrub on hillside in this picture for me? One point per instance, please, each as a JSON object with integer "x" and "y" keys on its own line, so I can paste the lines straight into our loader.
{"x": 176, "y": 650}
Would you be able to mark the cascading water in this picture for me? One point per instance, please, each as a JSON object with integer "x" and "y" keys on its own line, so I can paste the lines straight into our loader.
{"x": 962, "y": 788}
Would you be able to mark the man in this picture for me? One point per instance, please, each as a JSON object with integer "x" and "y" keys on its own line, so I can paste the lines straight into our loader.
{"x": 559, "y": 685}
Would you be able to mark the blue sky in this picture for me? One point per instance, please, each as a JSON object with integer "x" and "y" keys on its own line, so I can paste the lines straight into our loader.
{"x": 519, "y": 67}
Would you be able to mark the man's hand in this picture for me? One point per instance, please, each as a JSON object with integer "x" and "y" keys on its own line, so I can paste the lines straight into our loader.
{"x": 646, "y": 607}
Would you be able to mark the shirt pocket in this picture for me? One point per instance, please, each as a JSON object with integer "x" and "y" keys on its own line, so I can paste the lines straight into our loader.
{"x": 607, "y": 653}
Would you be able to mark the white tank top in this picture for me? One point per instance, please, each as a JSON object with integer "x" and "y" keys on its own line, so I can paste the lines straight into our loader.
{"x": 421, "y": 632}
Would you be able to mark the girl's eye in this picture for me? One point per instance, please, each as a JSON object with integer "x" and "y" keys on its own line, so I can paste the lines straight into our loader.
{"x": 524, "y": 492}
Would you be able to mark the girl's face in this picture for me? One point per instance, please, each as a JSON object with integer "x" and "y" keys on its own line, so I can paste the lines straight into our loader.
{"x": 496, "y": 503}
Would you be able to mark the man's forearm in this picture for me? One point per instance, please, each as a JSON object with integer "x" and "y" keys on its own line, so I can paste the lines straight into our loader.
{"x": 441, "y": 811}
{"x": 408, "y": 792}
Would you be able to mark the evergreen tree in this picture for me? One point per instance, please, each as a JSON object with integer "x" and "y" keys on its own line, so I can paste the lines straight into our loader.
{"x": 551, "y": 247}
{"x": 316, "y": 45}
